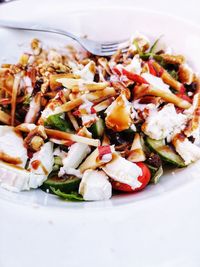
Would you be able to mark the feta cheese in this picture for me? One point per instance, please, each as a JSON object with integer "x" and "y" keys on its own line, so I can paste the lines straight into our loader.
{"x": 156, "y": 82}
{"x": 42, "y": 161}
{"x": 41, "y": 164}
{"x": 124, "y": 171}
{"x": 75, "y": 156}
{"x": 187, "y": 150}
{"x": 12, "y": 149}
{"x": 88, "y": 72}
{"x": 135, "y": 65}
{"x": 17, "y": 179}
{"x": 164, "y": 123}
{"x": 95, "y": 186}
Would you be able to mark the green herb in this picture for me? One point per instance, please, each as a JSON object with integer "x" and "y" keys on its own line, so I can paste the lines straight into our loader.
{"x": 56, "y": 122}
{"x": 155, "y": 44}
{"x": 148, "y": 55}
{"x": 73, "y": 196}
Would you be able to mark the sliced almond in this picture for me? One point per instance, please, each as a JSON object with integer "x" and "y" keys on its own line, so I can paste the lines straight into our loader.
{"x": 168, "y": 97}
{"x": 136, "y": 153}
{"x": 166, "y": 77}
{"x": 72, "y": 137}
{"x": 5, "y": 118}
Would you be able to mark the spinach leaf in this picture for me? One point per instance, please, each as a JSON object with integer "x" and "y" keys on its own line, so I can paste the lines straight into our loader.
{"x": 73, "y": 196}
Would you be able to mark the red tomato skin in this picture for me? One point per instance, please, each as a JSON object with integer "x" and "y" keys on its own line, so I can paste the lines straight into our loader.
{"x": 144, "y": 179}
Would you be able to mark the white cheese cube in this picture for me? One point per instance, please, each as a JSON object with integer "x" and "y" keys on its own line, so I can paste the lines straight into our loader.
{"x": 95, "y": 186}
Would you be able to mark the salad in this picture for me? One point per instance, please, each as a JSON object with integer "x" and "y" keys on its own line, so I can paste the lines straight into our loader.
{"x": 85, "y": 127}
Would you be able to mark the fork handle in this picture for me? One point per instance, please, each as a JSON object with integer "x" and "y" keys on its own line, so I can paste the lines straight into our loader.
{"x": 35, "y": 27}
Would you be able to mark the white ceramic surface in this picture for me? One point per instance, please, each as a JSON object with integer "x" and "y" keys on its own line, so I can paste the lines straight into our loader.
{"x": 156, "y": 227}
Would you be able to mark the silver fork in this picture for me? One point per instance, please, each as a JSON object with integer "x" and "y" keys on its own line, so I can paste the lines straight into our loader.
{"x": 96, "y": 48}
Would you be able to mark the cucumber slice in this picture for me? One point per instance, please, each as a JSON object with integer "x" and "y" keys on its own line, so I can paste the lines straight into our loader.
{"x": 66, "y": 185}
{"x": 165, "y": 152}
{"x": 56, "y": 122}
{"x": 97, "y": 129}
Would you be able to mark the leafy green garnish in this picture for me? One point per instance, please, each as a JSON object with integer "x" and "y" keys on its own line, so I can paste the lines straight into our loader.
{"x": 56, "y": 122}
{"x": 146, "y": 56}
{"x": 155, "y": 44}
{"x": 73, "y": 196}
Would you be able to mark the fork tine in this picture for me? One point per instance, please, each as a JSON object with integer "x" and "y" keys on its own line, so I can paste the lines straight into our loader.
{"x": 112, "y": 52}
{"x": 109, "y": 48}
{"x": 109, "y": 45}
{"x": 113, "y": 49}
{"x": 114, "y": 46}
{"x": 114, "y": 42}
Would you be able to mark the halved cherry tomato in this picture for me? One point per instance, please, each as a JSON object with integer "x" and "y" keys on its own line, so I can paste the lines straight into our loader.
{"x": 143, "y": 179}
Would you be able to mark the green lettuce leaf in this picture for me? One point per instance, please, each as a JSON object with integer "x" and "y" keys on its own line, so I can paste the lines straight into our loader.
{"x": 73, "y": 196}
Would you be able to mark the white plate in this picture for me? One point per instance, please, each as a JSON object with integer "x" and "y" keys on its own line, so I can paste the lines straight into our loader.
{"x": 99, "y": 220}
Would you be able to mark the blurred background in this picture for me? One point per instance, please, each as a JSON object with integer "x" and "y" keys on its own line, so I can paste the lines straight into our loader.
{"x": 186, "y": 9}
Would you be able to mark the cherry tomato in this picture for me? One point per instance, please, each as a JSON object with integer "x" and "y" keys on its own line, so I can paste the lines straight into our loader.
{"x": 143, "y": 179}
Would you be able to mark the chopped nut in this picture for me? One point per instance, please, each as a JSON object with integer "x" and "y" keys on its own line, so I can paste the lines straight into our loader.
{"x": 36, "y": 47}
{"x": 36, "y": 143}
{"x": 171, "y": 59}
{"x": 185, "y": 74}
{"x": 35, "y": 138}
{"x": 24, "y": 59}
